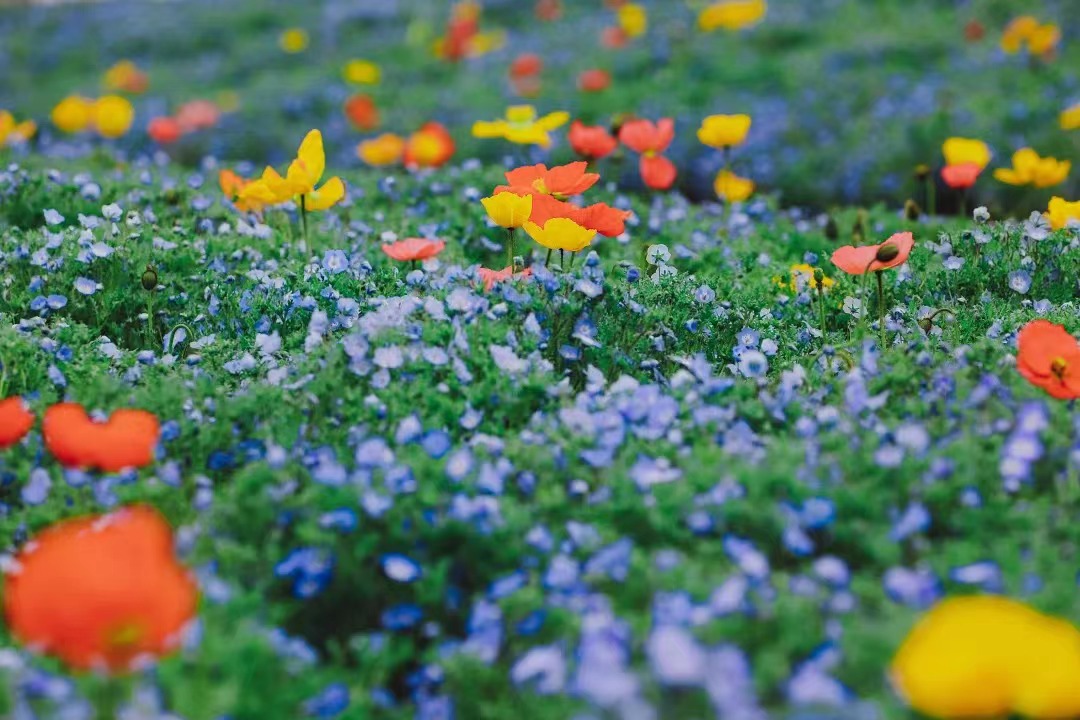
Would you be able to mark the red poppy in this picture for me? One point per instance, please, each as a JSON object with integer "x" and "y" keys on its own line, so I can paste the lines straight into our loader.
{"x": 362, "y": 112}
{"x": 197, "y": 115}
{"x": 414, "y": 249}
{"x": 549, "y": 190}
{"x": 604, "y": 219}
{"x": 594, "y": 80}
{"x": 491, "y": 277}
{"x": 1049, "y": 357}
{"x": 164, "y": 130}
{"x": 613, "y": 37}
{"x": 651, "y": 139}
{"x": 430, "y": 146}
{"x": 103, "y": 592}
{"x": 548, "y": 10}
{"x": 526, "y": 65}
{"x": 974, "y": 31}
{"x": 15, "y": 421}
{"x": 871, "y": 258}
{"x": 126, "y": 440}
{"x": 960, "y": 177}
{"x": 593, "y": 142}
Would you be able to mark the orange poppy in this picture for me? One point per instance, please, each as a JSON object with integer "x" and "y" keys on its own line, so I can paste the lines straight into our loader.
{"x": 974, "y": 31}
{"x": 1049, "y": 357}
{"x": 651, "y": 140}
{"x": 562, "y": 181}
{"x": 593, "y": 142}
{"x": 871, "y": 258}
{"x": 164, "y": 130}
{"x": 490, "y": 278}
{"x": 15, "y": 421}
{"x": 231, "y": 186}
{"x": 594, "y": 80}
{"x": 430, "y": 146}
{"x": 613, "y": 37}
{"x": 526, "y": 65}
{"x": 197, "y": 115}
{"x": 126, "y": 440}
{"x": 962, "y": 176}
{"x": 549, "y": 190}
{"x": 414, "y": 249}
{"x": 362, "y": 112}
{"x": 101, "y": 592}
{"x": 548, "y": 10}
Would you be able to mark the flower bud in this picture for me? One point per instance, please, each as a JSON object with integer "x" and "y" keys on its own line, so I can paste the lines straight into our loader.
{"x": 887, "y": 253}
{"x": 149, "y": 278}
{"x": 922, "y": 172}
{"x": 912, "y": 211}
{"x": 926, "y": 324}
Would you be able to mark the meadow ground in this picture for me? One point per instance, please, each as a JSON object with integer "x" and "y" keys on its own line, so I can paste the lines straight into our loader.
{"x": 708, "y": 466}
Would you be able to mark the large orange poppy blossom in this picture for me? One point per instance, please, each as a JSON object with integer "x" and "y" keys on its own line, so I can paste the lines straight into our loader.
{"x": 651, "y": 140}
{"x": 871, "y": 258}
{"x": 1049, "y": 357}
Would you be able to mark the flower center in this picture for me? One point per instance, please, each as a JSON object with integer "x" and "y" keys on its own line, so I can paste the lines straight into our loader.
{"x": 1058, "y": 366}
{"x": 125, "y": 636}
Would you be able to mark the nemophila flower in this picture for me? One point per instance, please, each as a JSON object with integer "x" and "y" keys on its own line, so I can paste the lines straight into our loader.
{"x": 1026, "y": 32}
{"x": 731, "y": 15}
{"x": 72, "y": 114}
{"x": 731, "y": 188}
{"x": 1070, "y": 118}
{"x": 164, "y": 130}
{"x": 361, "y": 72}
{"x": 1030, "y": 169}
{"x": 507, "y": 209}
{"x": 561, "y": 234}
{"x": 15, "y": 421}
{"x": 362, "y": 112}
{"x": 293, "y": 40}
{"x": 1020, "y": 281}
{"x": 490, "y": 278}
{"x": 125, "y": 76}
{"x": 724, "y": 131}
{"x": 591, "y": 142}
{"x": 1062, "y": 213}
{"x": 300, "y": 180}
{"x": 594, "y": 80}
{"x": 126, "y": 440}
{"x": 987, "y": 656}
{"x": 414, "y": 249}
{"x": 102, "y": 592}
{"x": 386, "y": 149}
{"x": 522, "y": 126}
{"x": 651, "y": 140}
{"x": 1049, "y": 358}
{"x": 113, "y": 115}
{"x": 429, "y": 147}
{"x": 872, "y": 258}
{"x": 12, "y": 132}
{"x": 633, "y": 19}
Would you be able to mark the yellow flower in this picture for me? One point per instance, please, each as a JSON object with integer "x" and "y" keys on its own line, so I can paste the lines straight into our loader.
{"x": 303, "y": 175}
{"x": 964, "y": 151}
{"x": 1070, "y": 118}
{"x": 1044, "y": 39}
{"x": 12, "y": 132}
{"x": 1028, "y": 31}
{"x": 731, "y": 15}
{"x": 125, "y": 76}
{"x": 508, "y": 210}
{"x": 1030, "y": 169}
{"x": 732, "y": 188}
{"x": 633, "y": 19}
{"x": 72, "y": 114}
{"x": 521, "y": 126}
{"x": 1060, "y": 212}
{"x": 986, "y": 656}
{"x": 294, "y": 40}
{"x": 113, "y": 115}
{"x": 486, "y": 42}
{"x": 721, "y": 131}
{"x": 385, "y": 149}
{"x": 361, "y": 72}
{"x": 802, "y": 278}
{"x": 561, "y": 234}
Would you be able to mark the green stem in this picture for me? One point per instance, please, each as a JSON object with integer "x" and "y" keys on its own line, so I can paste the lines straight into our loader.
{"x": 547, "y": 260}
{"x": 107, "y": 699}
{"x": 510, "y": 248}
{"x": 821, "y": 304}
{"x": 881, "y": 307}
{"x": 562, "y": 260}
{"x": 150, "y": 317}
{"x": 172, "y": 335}
{"x": 3, "y": 376}
{"x": 303, "y": 218}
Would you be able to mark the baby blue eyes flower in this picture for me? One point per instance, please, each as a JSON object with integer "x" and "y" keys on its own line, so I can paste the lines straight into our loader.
{"x": 53, "y": 218}
{"x": 400, "y": 568}
{"x": 1020, "y": 281}
{"x": 335, "y": 262}
{"x": 112, "y": 212}
{"x": 86, "y": 286}
{"x": 753, "y": 364}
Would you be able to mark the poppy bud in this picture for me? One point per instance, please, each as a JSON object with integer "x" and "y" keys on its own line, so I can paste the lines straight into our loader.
{"x": 149, "y": 278}
{"x": 832, "y": 232}
{"x": 922, "y": 172}
{"x": 887, "y": 253}
{"x": 819, "y": 277}
{"x": 912, "y": 211}
{"x": 926, "y": 324}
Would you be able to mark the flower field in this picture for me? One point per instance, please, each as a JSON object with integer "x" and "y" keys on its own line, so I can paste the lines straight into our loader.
{"x": 583, "y": 360}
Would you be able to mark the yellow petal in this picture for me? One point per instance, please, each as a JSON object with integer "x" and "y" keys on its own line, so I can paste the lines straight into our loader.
{"x": 520, "y": 114}
{"x": 485, "y": 129}
{"x": 553, "y": 120}
{"x": 312, "y": 156}
{"x": 331, "y": 193}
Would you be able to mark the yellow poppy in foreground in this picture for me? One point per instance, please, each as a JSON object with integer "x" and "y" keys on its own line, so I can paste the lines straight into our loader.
{"x": 303, "y": 175}
{"x": 984, "y": 657}
{"x": 561, "y": 234}
{"x": 1030, "y": 169}
{"x": 521, "y": 126}
{"x": 1061, "y": 212}
{"x": 507, "y": 209}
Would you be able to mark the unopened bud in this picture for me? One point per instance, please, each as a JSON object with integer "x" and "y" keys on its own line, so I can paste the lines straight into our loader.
{"x": 832, "y": 232}
{"x": 922, "y": 172}
{"x": 887, "y": 253}
{"x": 912, "y": 211}
{"x": 149, "y": 278}
{"x": 926, "y": 324}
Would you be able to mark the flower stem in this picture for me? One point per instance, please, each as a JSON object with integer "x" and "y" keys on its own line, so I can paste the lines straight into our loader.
{"x": 150, "y": 317}
{"x": 547, "y": 260}
{"x": 821, "y": 305}
{"x": 881, "y": 307}
{"x": 510, "y": 247}
{"x": 303, "y": 218}
{"x": 562, "y": 260}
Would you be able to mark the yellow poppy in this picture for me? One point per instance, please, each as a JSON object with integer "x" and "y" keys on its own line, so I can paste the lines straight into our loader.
{"x": 802, "y": 278}
{"x": 1030, "y": 169}
{"x": 521, "y": 126}
{"x": 732, "y": 188}
{"x": 113, "y": 115}
{"x": 720, "y": 131}
{"x": 300, "y": 181}
{"x": 1070, "y": 118}
{"x": 362, "y": 72}
{"x": 965, "y": 151}
{"x": 633, "y": 19}
{"x": 72, "y": 114}
{"x": 385, "y": 149}
{"x": 561, "y": 234}
{"x": 508, "y": 210}
{"x": 731, "y": 15}
{"x": 12, "y": 132}
{"x": 294, "y": 40}
{"x": 1060, "y": 212}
